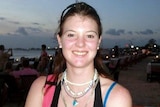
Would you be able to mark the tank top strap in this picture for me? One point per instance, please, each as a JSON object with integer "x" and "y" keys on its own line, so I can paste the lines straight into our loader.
{"x": 98, "y": 96}
{"x": 107, "y": 93}
{"x": 49, "y": 90}
{"x": 56, "y": 95}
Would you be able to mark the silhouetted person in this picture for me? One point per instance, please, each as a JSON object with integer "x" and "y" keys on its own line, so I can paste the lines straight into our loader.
{"x": 4, "y": 57}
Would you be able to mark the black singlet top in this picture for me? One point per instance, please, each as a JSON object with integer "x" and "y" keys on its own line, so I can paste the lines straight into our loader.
{"x": 97, "y": 99}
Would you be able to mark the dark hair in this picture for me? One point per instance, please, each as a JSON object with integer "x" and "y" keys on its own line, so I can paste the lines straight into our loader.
{"x": 80, "y": 8}
{"x": 25, "y": 62}
{"x": 8, "y": 65}
{"x": 43, "y": 46}
{"x": 83, "y": 9}
{"x": 2, "y": 47}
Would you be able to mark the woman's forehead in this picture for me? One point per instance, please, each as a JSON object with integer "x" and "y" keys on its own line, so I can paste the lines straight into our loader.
{"x": 78, "y": 21}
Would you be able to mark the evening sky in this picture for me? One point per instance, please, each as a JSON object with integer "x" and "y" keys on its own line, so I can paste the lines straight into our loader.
{"x": 30, "y": 23}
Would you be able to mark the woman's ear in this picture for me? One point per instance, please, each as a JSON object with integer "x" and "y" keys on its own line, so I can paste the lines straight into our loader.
{"x": 59, "y": 41}
{"x": 99, "y": 42}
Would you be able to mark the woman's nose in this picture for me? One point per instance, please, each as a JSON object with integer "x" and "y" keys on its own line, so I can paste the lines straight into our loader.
{"x": 80, "y": 42}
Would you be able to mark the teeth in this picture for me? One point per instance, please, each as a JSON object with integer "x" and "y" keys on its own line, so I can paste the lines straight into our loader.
{"x": 79, "y": 53}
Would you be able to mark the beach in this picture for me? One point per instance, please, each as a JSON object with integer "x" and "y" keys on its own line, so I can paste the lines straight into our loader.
{"x": 144, "y": 93}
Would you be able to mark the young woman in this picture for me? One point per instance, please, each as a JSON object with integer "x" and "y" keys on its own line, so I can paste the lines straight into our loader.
{"x": 79, "y": 78}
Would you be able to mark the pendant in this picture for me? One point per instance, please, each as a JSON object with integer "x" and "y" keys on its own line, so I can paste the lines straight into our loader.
{"x": 75, "y": 103}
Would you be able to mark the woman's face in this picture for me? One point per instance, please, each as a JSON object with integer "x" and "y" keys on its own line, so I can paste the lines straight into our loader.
{"x": 80, "y": 41}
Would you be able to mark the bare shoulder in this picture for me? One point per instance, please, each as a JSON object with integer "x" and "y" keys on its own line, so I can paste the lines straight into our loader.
{"x": 119, "y": 96}
{"x": 38, "y": 84}
{"x": 40, "y": 81}
{"x": 35, "y": 94}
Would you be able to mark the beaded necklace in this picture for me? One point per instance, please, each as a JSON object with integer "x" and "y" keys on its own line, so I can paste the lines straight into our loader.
{"x": 89, "y": 98}
{"x": 78, "y": 84}
{"x": 74, "y": 95}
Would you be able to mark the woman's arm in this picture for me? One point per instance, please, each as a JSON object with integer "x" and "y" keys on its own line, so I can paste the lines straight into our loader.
{"x": 119, "y": 97}
{"x": 35, "y": 95}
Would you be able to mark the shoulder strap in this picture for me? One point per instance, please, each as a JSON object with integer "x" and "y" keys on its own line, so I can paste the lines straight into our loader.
{"x": 98, "y": 97}
{"x": 56, "y": 95}
{"x": 108, "y": 92}
{"x": 49, "y": 90}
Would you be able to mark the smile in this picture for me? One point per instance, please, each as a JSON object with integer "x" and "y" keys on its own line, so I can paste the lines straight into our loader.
{"x": 80, "y": 53}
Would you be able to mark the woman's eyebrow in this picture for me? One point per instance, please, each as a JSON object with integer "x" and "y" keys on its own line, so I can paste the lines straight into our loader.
{"x": 69, "y": 31}
{"x": 92, "y": 31}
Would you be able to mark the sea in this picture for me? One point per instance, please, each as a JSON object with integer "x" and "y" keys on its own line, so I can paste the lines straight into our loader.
{"x": 17, "y": 54}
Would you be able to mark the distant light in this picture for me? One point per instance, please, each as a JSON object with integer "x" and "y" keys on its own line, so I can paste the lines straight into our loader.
{"x": 107, "y": 57}
{"x": 154, "y": 46}
{"x": 17, "y": 60}
{"x": 49, "y": 48}
{"x": 157, "y": 56}
{"x": 56, "y": 47}
{"x": 132, "y": 46}
{"x": 137, "y": 48}
{"x": 50, "y": 58}
{"x": 134, "y": 53}
{"x": 113, "y": 56}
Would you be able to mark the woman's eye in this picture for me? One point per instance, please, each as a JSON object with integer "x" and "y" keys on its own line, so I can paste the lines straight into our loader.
{"x": 90, "y": 36}
{"x": 70, "y": 35}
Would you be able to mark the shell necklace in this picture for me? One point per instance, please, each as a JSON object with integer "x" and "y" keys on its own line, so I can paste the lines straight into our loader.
{"x": 89, "y": 98}
{"x": 82, "y": 84}
{"x": 74, "y": 95}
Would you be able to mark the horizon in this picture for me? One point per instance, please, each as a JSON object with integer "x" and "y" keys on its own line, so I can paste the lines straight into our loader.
{"x": 28, "y": 24}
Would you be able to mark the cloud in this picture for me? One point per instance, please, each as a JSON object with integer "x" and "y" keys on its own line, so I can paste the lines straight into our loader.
{"x": 9, "y": 21}
{"x": 130, "y": 32}
{"x": 2, "y": 18}
{"x": 115, "y": 32}
{"x": 146, "y": 32}
{"x": 25, "y": 31}
{"x": 30, "y": 31}
{"x": 34, "y": 29}
{"x": 14, "y": 22}
{"x": 35, "y": 23}
{"x": 22, "y": 31}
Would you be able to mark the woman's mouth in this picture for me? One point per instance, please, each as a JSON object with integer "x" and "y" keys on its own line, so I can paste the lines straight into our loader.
{"x": 80, "y": 53}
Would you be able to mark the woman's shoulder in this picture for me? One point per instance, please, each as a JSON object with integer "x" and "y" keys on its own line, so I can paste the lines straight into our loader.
{"x": 118, "y": 93}
{"x": 39, "y": 82}
{"x": 106, "y": 83}
{"x": 35, "y": 94}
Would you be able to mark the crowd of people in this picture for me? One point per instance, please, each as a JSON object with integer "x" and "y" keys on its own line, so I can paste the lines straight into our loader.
{"x": 11, "y": 71}
{"x": 42, "y": 65}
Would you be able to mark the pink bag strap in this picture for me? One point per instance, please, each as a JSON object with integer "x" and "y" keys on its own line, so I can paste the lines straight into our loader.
{"x": 49, "y": 90}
